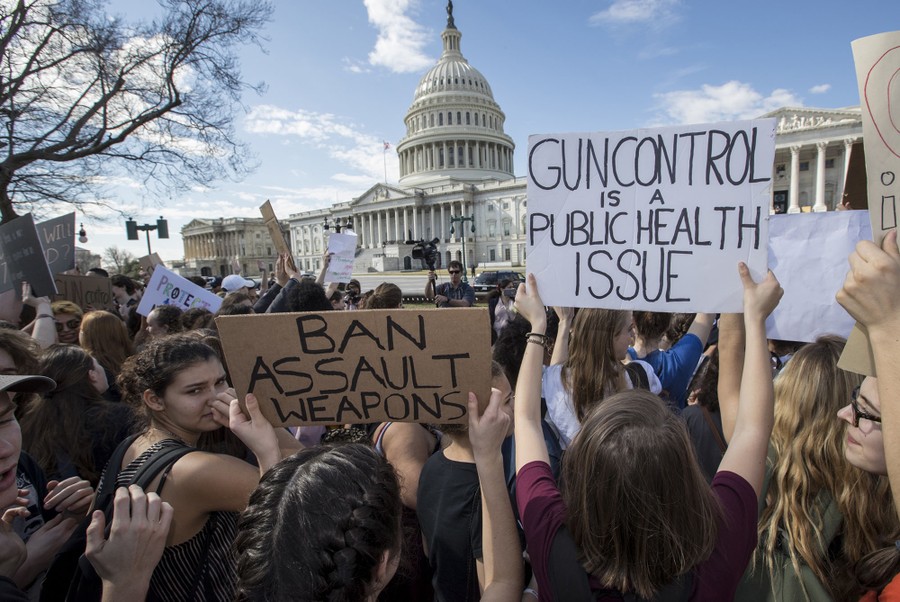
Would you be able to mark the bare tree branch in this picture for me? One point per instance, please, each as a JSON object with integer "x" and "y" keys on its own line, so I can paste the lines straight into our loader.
{"x": 83, "y": 95}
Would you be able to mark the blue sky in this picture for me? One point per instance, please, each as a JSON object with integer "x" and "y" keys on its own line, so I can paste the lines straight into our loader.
{"x": 341, "y": 75}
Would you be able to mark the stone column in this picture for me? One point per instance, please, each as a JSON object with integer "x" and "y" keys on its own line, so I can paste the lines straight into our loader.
{"x": 432, "y": 230}
{"x": 405, "y": 232}
{"x": 379, "y": 239}
{"x": 396, "y": 224}
{"x": 415, "y": 220}
{"x": 794, "y": 206}
{"x": 848, "y": 146}
{"x": 369, "y": 225}
{"x": 820, "y": 177}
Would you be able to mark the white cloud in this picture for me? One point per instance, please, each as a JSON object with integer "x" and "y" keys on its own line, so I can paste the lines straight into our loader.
{"x": 401, "y": 41}
{"x": 820, "y": 89}
{"x": 622, "y": 12}
{"x": 341, "y": 141}
{"x": 732, "y": 100}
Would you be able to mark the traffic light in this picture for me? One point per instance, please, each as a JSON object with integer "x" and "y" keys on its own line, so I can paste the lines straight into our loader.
{"x": 131, "y": 229}
{"x": 162, "y": 228}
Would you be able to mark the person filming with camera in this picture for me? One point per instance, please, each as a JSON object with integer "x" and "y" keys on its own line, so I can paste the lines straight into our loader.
{"x": 455, "y": 293}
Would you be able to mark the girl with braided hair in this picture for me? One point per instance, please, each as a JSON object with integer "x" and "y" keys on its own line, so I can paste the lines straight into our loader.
{"x": 323, "y": 525}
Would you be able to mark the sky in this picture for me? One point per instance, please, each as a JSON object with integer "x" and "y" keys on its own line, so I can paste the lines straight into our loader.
{"x": 340, "y": 76}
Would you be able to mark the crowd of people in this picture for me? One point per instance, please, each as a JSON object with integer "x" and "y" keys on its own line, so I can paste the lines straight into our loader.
{"x": 620, "y": 455}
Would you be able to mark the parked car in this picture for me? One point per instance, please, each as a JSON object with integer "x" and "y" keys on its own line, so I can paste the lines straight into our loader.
{"x": 487, "y": 281}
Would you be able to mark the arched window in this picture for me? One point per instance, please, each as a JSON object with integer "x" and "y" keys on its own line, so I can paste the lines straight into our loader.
{"x": 431, "y": 120}
{"x": 458, "y": 118}
{"x": 440, "y": 119}
{"x": 476, "y": 118}
{"x": 449, "y": 118}
{"x": 468, "y": 118}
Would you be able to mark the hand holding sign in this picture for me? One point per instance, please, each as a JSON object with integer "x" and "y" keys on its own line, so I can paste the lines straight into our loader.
{"x": 529, "y": 304}
{"x": 760, "y": 298}
{"x": 871, "y": 292}
{"x": 251, "y": 426}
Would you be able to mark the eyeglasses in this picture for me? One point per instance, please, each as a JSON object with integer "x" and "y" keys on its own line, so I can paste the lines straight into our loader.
{"x": 70, "y": 325}
{"x": 453, "y": 271}
{"x": 857, "y": 413}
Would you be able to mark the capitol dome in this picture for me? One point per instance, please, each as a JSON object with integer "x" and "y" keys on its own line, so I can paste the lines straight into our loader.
{"x": 454, "y": 127}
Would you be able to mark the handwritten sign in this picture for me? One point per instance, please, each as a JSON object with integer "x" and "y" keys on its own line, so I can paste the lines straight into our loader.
{"x": 877, "y": 61}
{"x": 86, "y": 291}
{"x": 22, "y": 258}
{"x": 343, "y": 249}
{"x": 650, "y": 219}
{"x": 362, "y": 366}
{"x": 57, "y": 237}
{"x": 808, "y": 253}
{"x": 168, "y": 288}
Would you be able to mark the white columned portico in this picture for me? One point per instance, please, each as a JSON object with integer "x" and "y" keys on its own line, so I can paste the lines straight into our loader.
{"x": 794, "y": 206}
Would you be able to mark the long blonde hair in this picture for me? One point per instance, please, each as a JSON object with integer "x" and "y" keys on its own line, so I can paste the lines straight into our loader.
{"x": 592, "y": 370}
{"x": 810, "y": 469}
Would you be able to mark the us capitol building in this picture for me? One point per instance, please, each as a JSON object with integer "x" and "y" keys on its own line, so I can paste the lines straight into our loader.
{"x": 456, "y": 161}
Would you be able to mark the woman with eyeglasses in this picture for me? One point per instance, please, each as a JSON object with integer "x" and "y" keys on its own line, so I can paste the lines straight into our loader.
{"x": 67, "y": 316}
{"x": 819, "y": 514}
{"x": 871, "y": 294}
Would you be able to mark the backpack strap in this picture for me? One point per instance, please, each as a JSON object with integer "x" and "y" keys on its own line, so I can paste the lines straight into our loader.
{"x": 161, "y": 461}
{"x": 720, "y": 441}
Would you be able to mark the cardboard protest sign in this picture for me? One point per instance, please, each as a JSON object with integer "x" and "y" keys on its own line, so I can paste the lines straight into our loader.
{"x": 22, "y": 258}
{"x": 274, "y": 228}
{"x": 168, "y": 288}
{"x": 86, "y": 291}
{"x": 148, "y": 263}
{"x": 808, "y": 254}
{"x": 877, "y": 61}
{"x": 342, "y": 247}
{"x": 57, "y": 237}
{"x": 343, "y": 367}
{"x": 651, "y": 219}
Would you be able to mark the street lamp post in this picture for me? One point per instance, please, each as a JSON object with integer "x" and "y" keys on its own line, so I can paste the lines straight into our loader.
{"x": 132, "y": 228}
{"x": 462, "y": 221}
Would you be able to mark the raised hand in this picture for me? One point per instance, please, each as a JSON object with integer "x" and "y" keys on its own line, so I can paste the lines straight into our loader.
{"x": 871, "y": 291}
{"x": 760, "y": 298}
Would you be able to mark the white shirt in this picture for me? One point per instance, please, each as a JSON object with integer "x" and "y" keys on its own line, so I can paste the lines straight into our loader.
{"x": 560, "y": 409}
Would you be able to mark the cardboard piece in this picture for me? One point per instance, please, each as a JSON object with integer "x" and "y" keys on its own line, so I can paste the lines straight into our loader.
{"x": 877, "y": 60}
{"x": 653, "y": 219}
{"x": 342, "y": 247}
{"x": 808, "y": 254}
{"x": 88, "y": 292}
{"x": 274, "y": 228}
{"x": 148, "y": 263}
{"x": 57, "y": 237}
{"x": 168, "y": 288}
{"x": 22, "y": 258}
{"x": 350, "y": 367}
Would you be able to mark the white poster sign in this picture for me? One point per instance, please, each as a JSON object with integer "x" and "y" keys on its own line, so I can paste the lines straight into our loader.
{"x": 653, "y": 219}
{"x": 808, "y": 253}
{"x": 168, "y": 288}
{"x": 342, "y": 247}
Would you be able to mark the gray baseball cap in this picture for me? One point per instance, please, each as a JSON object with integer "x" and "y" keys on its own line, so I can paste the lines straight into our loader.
{"x": 26, "y": 383}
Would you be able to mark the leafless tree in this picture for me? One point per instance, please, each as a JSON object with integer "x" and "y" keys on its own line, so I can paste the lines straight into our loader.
{"x": 119, "y": 261}
{"x": 86, "y": 97}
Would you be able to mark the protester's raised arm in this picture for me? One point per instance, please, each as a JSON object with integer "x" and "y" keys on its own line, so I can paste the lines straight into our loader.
{"x": 746, "y": 454}
{"x": 702, "y": 326}
{"x": 871, "y": 294}
{"x": 530, "y": 445}
{"x": 503, "y": 572}
{"x": 561, "y": 346}
{"x": 44, "y": 329}
{"x": 731, "y": 366}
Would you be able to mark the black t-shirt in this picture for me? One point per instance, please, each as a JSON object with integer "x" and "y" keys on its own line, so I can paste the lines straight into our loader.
{"x": 709, "y": 454}
{"x": 449, "y": 509}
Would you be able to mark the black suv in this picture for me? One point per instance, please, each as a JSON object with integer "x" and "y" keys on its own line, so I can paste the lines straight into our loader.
{"x": 487, "y": 281}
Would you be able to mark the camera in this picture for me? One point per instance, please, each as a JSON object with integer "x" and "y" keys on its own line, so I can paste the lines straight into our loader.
{"x": 425, "y": 251}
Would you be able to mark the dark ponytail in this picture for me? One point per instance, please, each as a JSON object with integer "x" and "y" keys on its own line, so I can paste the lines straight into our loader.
{"x": 318, "y": 526}
{"x": 876, "y": 569}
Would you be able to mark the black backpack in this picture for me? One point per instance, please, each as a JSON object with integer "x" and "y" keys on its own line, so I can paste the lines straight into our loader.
{"x": 71, "y": 577}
